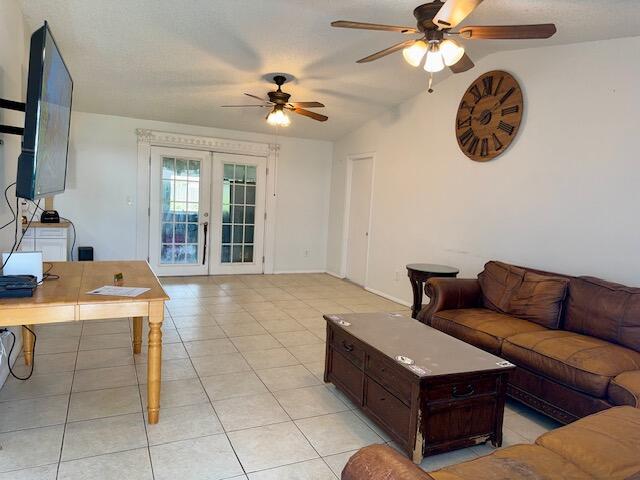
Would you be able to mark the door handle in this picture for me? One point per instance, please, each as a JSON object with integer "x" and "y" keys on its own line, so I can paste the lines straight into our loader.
{"x": 204, "y": 249}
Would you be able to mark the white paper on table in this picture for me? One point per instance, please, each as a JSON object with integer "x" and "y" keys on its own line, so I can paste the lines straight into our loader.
{"x": 119, "y": 291}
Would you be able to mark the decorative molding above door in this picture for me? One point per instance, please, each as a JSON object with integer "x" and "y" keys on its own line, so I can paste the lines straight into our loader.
{"x": 195, "y": 142}
{"x": 148, "y": 138}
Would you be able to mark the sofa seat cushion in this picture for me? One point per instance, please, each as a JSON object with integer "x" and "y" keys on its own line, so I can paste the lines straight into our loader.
{"x": 481, "y": 327}
{"x": 514, "y": 463}
{"x": 605, "y": 444}
{"x": 584, "y": 363}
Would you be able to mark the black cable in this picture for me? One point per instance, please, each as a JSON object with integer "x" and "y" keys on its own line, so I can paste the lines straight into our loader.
{"x": 73, "y": 226}
{"x": 14, "y": 213}
{"x": 33, "y": 360}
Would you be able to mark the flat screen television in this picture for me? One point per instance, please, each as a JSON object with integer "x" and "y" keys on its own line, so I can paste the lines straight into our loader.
{"x": 42, "y": 165}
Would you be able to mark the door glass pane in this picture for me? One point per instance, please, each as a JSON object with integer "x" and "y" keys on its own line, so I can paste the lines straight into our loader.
{"x": 179, "y": 212}
{"x": 226, "y": 253}
{"x": 238, "y": 213}
{"x": 250, "y": 195}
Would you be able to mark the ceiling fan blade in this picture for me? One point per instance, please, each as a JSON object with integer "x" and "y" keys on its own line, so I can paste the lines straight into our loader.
{"x": 386, "y": 51}
{"x": 506, "y": 32}
{"x": 307, "y": 113}
{"x": 454, "y": 11}
{"x": 257, "y": 98}
{"x": 237, "y": 106}
{"x": 307, "y": 104}
{"x": 462, "y": 65}
{"x": 373, "y": 26}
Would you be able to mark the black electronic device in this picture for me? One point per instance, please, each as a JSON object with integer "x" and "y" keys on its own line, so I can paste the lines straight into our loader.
{"x": 42, "y": 165}
{"x": 50, "y": 216}
{"x": 16, "y": 286}
{"x": 85, "y": 254}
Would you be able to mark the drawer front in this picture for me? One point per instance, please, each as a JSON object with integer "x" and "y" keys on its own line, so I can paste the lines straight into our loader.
{"x": 29, "y": 233}
{"x": 391, "y": 376}
{"x": 461, "y": 390}
{"x": 51, "y": 232}
{"x": 389, "y": 411}
{"x": 346, "y": 376}
{"x": 458, "y": 421}
{"x": 347, "y": 346}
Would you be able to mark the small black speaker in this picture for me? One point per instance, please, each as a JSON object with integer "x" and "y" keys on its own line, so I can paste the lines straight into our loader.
{"x": 85, "y": 254}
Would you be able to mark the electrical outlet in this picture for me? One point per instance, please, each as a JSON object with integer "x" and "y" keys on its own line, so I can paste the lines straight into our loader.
{"x": 306, "y": 253}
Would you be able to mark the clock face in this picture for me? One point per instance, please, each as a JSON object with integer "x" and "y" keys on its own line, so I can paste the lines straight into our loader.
{"x": 489, "y": 115}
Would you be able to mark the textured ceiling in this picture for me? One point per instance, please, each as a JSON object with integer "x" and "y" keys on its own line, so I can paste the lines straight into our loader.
{"x": 177, "y": 61}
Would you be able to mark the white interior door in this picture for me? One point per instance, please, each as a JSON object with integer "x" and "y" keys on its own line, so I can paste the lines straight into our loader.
{"x": 179, "y": 211}
{"x": 238, "y": 213}
{"x": 359, "y": 219}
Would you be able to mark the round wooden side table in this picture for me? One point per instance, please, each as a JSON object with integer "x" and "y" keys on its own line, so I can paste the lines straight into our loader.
{"x": 419, "y": 273}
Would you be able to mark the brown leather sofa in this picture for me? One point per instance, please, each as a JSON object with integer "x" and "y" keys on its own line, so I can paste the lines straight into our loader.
{"x": 575, "y": 340}
{"x": 605, "y": 445}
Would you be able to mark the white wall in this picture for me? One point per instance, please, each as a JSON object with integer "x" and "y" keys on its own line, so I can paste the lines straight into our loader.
{"x": 12, "y": 67}
{"x": 564, "y": 197}
{"x": 102, "y": 177}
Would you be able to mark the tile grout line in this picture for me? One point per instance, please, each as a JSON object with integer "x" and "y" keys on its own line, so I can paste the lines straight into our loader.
{"x": 64, "y": 429}
{"x": 144, "y": 417}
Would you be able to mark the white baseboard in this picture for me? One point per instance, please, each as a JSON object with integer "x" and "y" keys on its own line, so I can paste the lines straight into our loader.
{"x": 388, "y": 297}
{"x": 333, "y": 274}
{"x": 281, "y": 272}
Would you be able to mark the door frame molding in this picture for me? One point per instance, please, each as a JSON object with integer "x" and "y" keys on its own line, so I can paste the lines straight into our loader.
{"x": 347, "y": 211}
{"x": 154, "y": 138}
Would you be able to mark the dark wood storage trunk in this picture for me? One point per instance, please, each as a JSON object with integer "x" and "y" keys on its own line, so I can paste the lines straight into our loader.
{"x": 424, "y": 414}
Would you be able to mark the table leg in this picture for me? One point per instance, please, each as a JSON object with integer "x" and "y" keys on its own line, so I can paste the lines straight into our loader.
{"x": 154, "y": 366}
{"x": 416, "y": 286}
{"x": 27, "y": 344}
{"x": 137, "y": 335}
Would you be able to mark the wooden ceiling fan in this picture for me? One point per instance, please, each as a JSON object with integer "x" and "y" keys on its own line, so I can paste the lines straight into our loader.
{"x": 434, "y": 23}
{"x": 279, "y": 103}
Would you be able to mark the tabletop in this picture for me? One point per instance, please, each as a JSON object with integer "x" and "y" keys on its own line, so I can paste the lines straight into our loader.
{"x": 434, "y": 351}
{"x": 432, "y": 268}
{"x": 78, "y": 278}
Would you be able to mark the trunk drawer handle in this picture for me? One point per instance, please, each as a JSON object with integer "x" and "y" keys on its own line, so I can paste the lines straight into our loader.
{"x": 347, "y": 346}
{"x": 469, "y": 390}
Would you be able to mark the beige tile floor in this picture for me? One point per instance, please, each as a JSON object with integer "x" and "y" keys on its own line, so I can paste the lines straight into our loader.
{"x": 242, "y": 393}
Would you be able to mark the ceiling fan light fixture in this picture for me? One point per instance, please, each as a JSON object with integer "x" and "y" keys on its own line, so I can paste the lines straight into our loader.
{"x": 451, "y": 52}
{"x": 434, "y": 62}
{"x": 278, "y": 118}
{"x": 414, "y": 54}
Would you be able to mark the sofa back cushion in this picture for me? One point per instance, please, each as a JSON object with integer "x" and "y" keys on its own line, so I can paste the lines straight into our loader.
{"x": 605, "y": 310}
{"x": 515, "y": 291}
{"x": 498, "y": 281}
{"x": 539, "y": 299}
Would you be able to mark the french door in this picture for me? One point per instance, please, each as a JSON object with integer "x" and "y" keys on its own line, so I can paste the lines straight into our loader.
{"x": 207, "y": 212}
{"x": 238, "y": 207}
{"x": 179, "y": 211}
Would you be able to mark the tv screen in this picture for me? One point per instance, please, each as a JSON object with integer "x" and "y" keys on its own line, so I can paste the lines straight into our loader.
{"x": 42, "y": 166}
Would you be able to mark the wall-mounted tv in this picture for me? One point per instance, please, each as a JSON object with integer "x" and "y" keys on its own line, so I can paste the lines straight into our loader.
{"x": 42, "y": 166}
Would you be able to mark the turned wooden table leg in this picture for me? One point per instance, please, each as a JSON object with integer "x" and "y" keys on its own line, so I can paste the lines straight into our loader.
{"x": 137, "y": 335}
{"x": 28, "y": 341}
{"x": 154, "y": 366}
{"x": 416, "y": 286}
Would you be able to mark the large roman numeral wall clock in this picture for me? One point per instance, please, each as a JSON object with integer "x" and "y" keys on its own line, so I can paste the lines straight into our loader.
{"x": 489, "y": 116}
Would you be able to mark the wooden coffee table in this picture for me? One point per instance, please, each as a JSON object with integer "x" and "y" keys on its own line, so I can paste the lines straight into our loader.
{"x": 445, "y": 394}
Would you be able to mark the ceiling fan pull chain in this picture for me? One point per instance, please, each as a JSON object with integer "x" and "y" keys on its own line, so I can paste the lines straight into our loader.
{"x": 430, "y": 83}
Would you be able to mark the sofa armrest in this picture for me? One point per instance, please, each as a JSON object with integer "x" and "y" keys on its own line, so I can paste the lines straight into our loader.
{"x": 450, "y": 294}
{"x": 380, "y": 462}
{"x": 625, "y": 389}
